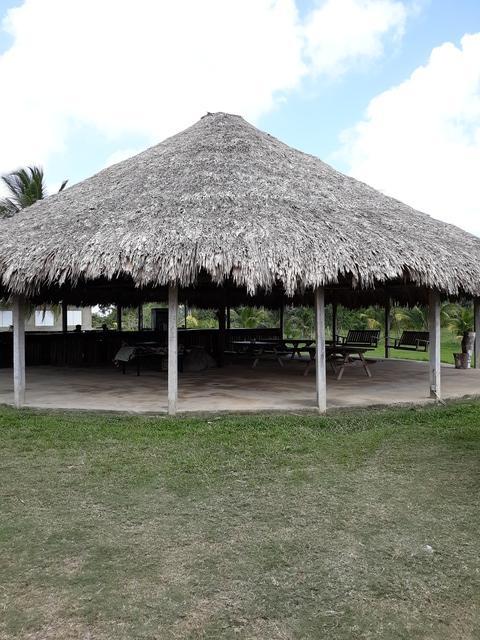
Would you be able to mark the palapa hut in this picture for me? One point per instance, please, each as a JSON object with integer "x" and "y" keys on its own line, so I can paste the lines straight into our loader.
{"x": 224, "y": 211}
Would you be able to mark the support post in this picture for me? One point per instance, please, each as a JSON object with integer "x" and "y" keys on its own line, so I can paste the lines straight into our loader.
{"x": 387, "y": 327}
{"x": 140, "y": 317}
{"x": 64, "y": 316}
{"x": 19, "y": 351}
{"x": 321, "y": 378}
{"x": 119, "y": 317}
{"x": 476, "y": 328}
{"x": 334, "y": 322}
{"x": 434, "y": 329}
{"x": 172, "y": 350}
{"x": 229, "y": 320}
{"x": 282, "y": 320}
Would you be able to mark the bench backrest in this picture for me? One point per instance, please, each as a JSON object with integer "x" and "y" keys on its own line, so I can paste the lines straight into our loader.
{"x": 363, "y": 336}
{"x": 411, "y": 338}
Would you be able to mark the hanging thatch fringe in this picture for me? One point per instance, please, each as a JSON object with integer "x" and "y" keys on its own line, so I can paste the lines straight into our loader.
{"x": 228, "y": 199}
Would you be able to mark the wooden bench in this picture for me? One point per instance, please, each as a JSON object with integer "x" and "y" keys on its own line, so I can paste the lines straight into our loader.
{"x": 361, "y": 338}
{"x": 412, "y": 341}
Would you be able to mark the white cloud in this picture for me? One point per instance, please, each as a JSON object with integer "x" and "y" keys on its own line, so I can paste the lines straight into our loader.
{"x": 151, "y": 68}
{"x": 344, "y": 32}
{"x": 420, "y": 141}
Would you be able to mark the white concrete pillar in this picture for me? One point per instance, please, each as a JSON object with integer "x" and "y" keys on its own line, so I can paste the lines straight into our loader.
{"x": 172, "y": 350}
{"x": 321, "y": 371}
{"x": 434, "y": 329}
{"x": 19, "y": 351}
{"x": 476, "y": 328}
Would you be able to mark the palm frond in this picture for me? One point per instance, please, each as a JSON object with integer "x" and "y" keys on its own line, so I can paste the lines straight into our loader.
{"x": 414, "y": 318}
{"x": 460, "y": 319}
{"x": 25, "y": 186}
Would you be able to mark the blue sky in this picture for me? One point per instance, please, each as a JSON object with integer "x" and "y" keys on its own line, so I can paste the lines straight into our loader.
{"x": 312, "y": 120}
{"x": 385, "y": 90}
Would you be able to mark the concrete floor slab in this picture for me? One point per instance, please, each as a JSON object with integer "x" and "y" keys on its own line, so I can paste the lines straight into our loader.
{"x": 235, "y": 387}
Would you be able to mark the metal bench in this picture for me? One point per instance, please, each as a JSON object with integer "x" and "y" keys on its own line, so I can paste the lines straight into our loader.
{"x": 361, "y": 338}
{"x": 412, "y": 341}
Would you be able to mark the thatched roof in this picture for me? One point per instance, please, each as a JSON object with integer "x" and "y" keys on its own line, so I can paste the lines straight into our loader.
{"x": 227, "y": 200}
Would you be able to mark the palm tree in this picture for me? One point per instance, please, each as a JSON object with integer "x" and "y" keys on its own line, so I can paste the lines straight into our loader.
{"x": 410, "y": 318}
{"x": 25, "y": 187}
{"x": 460, "y": 319}
{"x": 249, "y": 317}
{"x": 372, "y": 318}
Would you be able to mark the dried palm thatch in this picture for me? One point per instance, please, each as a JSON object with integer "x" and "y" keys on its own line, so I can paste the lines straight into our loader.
{"x": 228, "y": 200}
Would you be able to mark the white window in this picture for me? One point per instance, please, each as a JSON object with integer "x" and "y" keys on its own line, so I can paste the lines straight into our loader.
{"x": 6, "y": 318}
{"x": 74, "y": 317}
{"x": 44, "y": 318}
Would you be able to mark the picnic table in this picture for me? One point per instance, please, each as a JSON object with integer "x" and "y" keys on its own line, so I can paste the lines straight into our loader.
{"x": 336, "y": 354}
{"x": 297, "y": 346}
{"x": 277, "y": 348}
{"x": 342, "y": 354}
{"x": 261, "y": 349}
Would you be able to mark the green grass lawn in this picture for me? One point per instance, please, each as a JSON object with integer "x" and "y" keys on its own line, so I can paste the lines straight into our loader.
{"x": 355, "y": 525}
{"x": 450, "y": 344}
